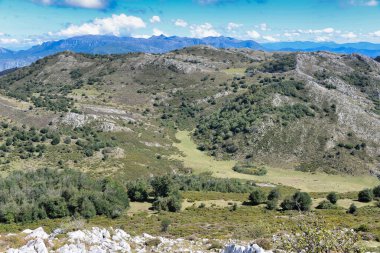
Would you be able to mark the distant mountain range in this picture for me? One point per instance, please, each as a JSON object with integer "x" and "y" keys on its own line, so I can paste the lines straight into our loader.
{"x": 161, "y": 44}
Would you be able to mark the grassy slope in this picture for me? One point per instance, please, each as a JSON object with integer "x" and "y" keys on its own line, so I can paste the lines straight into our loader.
{"x": 310, "y": 182}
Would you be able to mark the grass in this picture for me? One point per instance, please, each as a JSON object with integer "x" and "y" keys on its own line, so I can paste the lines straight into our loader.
{"x": 311, "y": 182}
{"x": 235, "y": 71}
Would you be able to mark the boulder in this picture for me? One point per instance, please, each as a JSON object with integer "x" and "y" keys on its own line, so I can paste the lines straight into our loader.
{"x": 33, "y": 246}
{"x": 38, "y": 233}
{"x": 233, "y": 248}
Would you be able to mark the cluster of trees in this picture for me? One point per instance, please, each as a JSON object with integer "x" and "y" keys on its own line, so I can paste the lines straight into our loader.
{"x": 330, "y": 203}
{"x": 367, "y": 195}
{"x": 250, "y": 170}
{"x": 57, "y": 103}
{"x": 280, "y": 63}
{"x": 242, "y": 115}
{"x": 48, "y": 193}
{"x": 300, "y": 201}
{"x": 25, "y": 142}
{"x": 164, "y": 191}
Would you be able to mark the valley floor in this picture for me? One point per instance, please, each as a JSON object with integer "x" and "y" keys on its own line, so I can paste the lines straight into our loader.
{"x": 311, "y": 182}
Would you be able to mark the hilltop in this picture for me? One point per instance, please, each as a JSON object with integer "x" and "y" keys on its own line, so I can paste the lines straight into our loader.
{"x": 304, "y": 111}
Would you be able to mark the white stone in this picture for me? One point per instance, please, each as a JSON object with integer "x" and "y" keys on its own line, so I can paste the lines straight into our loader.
{"x": 38, "y": 233}
{"x": 72, "y": 248}
{"x": 33, "y": 246}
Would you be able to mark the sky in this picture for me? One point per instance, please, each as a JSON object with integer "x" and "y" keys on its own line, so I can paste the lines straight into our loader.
{"x": 24, "y": 23}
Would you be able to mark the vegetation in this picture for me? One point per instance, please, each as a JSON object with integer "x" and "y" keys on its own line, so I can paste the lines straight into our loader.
{"x": 332, "y": 197}
{"x": 261, "y": 171}
{"x": 300, "y": 201}
{"x": 47, "y": 193}
{"x": 257, "y": 197}
{"x": 307, "y": 237}
{"x": 365, "y": 195}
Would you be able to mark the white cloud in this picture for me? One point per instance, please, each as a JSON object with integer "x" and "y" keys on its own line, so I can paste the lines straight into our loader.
{"x": 9, "y": 41}
{"x": 90, "y": 4}
{"x": 263, "y": 27}
{"x": 180, "y": 23}
{"x": 291, "y": 34}
{"x": 270, "y": 38}
{"x": 157, "y": 32}
{"x": 372, "y": 3}
{"x": 155, "y": 19}
{"x": 115, "y": 25}
{"x": 141, "y": 36}
{"x": 328, "y": 30}
{"x": 232, "y": 26}
{"x": 204, "y": 30}
{"x": 375, "y": 34}
{"x": 349, "y": 35}
{"x": 369, "y": 3}
{"x": 322, "y": 38}
{"x": 2, "y": 34}
{"x": 253, "y": 34}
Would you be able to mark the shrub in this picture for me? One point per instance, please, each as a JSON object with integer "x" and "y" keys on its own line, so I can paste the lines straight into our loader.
{"x": 352, "y": 209}
{"x": 307, "y": 237}
{"x": 272, "y": 204}
{"x": 332, "y": 197}
{"x": 165, "y": 224}
{"x": 55, "y": 141}
{"x": 257, "y": 197}
{"x": 365, "y": 195}
{"x": 138, "y": 191}
{"x": 326, "y": 205}
{"x": 299, "y": 201}
{"x": 250, "y": 171}
{"x": 274, "y": 194}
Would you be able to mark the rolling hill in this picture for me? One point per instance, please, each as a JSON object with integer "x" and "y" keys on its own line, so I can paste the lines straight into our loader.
{"x": 114, "y": 114}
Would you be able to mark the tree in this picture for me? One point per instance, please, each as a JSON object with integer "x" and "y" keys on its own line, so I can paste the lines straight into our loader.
{"x": 302, "y": 201}
{"x": 138, "y": 191}
{"x": 165, "y": 224}
{"x": 324, "y": 204}
{"x": 332, "y": 197}
{"x": 162, "y": 186}
{"x": 55, "y": 141}
{"x": 288, "y": 204}
{"x": 299, "y": 201}
{"x": 55, "y": 207}
{"x": 274, "y": 194}
{"x": 87, "y": 209}
{"x": 257, "y": 197}
{"x": 365, "y": 195}
{"x": 272, "y": 204}
{"x": 352, "y": 209}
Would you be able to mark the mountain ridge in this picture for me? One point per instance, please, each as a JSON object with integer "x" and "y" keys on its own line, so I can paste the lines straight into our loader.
{"x": 100, "y": 44}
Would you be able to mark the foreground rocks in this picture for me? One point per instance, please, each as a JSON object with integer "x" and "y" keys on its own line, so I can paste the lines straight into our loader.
{"x": 100, "y": 240}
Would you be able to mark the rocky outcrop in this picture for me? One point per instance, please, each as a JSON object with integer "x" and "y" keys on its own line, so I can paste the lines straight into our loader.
{"x": 100, "y": 240}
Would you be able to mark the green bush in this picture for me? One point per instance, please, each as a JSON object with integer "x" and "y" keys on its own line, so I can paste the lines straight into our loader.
{"x": 332, "y": 197}
{"x": 58, "y": 193}
{"x": 257, "y": 197}
{"x": 352, "y": 209}
{"x": 138, "y": 191}
{"x": 299, "y": 201}
{"x": 250, "y": 171}
{"x": 324, "y": 204}
{"x": 365, "y": 195}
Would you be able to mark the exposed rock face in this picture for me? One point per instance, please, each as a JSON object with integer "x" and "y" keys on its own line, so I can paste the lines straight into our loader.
{"x": 100, "y": 240}
{"x": 242, "y": 249}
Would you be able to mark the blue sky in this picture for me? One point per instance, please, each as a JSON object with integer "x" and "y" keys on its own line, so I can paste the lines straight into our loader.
{"x": 28, "y": 22}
